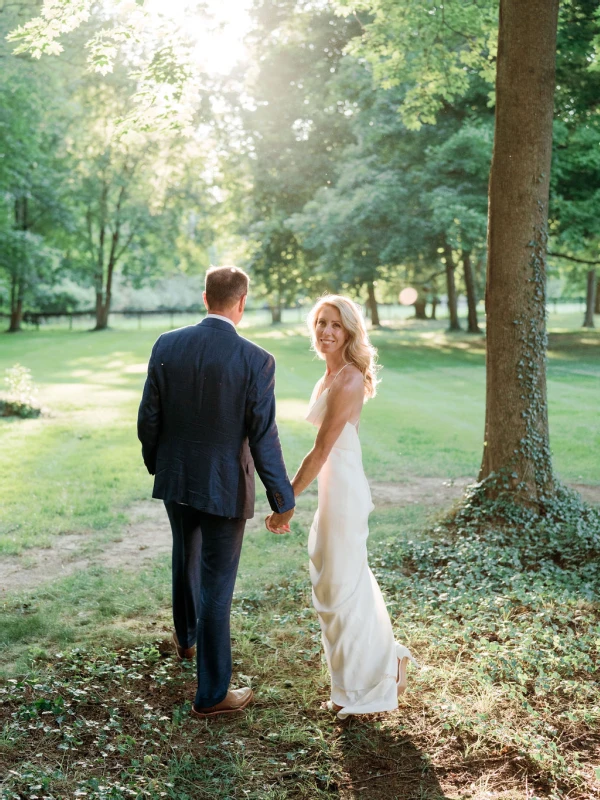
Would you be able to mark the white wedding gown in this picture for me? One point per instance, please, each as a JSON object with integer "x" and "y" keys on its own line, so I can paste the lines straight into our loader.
{"x": 357, "y": 635}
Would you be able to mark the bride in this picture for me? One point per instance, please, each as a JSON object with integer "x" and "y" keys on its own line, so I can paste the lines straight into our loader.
{"x": 367, "y": 666}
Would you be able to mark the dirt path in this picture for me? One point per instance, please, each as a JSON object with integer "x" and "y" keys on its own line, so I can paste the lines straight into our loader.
{"x": 148, "y": 535}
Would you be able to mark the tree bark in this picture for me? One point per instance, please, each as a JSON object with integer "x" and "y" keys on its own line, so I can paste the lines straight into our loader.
{"x": 479, "y": 275}
{"x": 99, "y": 306}
{"x": 451, "y": 289}
{"x": 473, "y": 323}
{"x": 516, "y": 456}
{"x": 101, "y": 319}
{"x": 276, "y": 306}
{"x": 16, "y": 316}
{"x": 372, "y": 305}
{"x": 18, "y": 277}
{"x": 275, "y": 313}
{"x": 597, "y": 303}
{"x": 15, "y": 321}
{"x": 104, "y": 298}
{"x": 590, "y": 299}
{"x": 420, "y": 305}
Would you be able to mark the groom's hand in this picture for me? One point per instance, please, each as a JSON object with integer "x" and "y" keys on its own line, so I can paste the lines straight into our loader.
{"x": 279, "y": 523}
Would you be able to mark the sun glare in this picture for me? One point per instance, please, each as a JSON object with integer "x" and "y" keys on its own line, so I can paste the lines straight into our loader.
{"x": 217, "y": 27}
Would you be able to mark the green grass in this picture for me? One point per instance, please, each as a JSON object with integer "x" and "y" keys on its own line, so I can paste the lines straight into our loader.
{"x": 507, "y": 699}
{"x": 79, "y": 467}
{"x": 505, "y": 706}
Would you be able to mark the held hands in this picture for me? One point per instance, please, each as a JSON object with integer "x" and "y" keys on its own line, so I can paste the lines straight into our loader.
{"x": 279, "y": 523}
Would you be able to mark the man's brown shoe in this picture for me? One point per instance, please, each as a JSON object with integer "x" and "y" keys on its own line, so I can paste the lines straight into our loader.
{"x": 235, "y": 700}
{"x": 183, "y": 653}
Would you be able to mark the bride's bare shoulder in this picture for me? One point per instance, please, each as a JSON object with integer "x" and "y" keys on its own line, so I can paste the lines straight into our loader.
{"x": 350, "y": 380}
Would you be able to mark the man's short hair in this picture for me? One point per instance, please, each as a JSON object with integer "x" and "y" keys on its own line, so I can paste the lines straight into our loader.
{"x": 225, "y": 286}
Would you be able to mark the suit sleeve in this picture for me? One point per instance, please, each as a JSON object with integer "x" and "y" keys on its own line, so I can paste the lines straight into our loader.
{"x": 263, "y": 439}
{"x": 148, "y": 423}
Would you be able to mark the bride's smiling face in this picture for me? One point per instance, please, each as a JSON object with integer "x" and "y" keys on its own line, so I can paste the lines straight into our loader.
{"x": 330, "y": 334}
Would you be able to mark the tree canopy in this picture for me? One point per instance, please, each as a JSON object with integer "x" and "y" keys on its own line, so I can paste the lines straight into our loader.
{"x": 350, "y": 150}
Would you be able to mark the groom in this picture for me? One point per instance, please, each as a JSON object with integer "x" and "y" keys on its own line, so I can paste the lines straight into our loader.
{"x": 206, "y": 421}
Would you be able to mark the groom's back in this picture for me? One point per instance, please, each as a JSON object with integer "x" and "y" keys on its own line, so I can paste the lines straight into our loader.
{"x": 203, "y": 375}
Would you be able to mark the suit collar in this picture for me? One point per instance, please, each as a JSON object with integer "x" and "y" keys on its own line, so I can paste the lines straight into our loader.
{"x": 219, "y": 324}
{"x": 220, "y": 316}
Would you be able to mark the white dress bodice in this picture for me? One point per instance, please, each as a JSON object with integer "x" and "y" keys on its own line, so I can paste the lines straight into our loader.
{"x": 348, "y": 439}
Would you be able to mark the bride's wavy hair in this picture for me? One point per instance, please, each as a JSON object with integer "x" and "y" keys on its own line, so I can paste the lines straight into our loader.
{"x": 358, "y": 350}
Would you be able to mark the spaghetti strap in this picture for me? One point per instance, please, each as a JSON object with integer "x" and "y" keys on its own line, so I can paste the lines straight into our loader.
{"x": 337, "y": 373}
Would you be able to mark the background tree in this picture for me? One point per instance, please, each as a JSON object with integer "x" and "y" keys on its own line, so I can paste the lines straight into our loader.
{"x": 129, "y": 197}
{"x": 86, "y": 195}
{"x": 323, "y": 100}
{"x": 458, "y": 175}
{"x": 436, "y": 51}
{"x": 516, "y": 449}
{"x": 154, "y": 53}
{"x": 295, "y": 119}
{"x": 456, "y": 42}
{"x": 32, "y": 162}
{"x": 575, "y": 196}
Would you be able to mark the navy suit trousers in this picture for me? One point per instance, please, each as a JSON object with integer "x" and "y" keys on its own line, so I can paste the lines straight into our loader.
{"x": 206, "y": 554}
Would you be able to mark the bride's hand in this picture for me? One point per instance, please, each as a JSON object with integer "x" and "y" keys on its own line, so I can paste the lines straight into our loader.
{"x": 269, "y": 525}
{"x": 279, "y": 523}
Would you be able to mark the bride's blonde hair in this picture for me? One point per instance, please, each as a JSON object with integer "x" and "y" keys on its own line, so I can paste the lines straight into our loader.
{"x": 358, "y": 350}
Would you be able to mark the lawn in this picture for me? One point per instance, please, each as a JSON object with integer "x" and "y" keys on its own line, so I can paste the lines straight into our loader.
{"x": 507, "y": 703}
{"x": 78, "y": 467}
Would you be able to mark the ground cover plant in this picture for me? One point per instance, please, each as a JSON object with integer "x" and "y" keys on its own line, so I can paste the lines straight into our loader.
{"x": 503, "y": 616}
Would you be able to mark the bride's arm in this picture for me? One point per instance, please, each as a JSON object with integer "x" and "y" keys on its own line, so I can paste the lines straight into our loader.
{"x": 345, "y": 398}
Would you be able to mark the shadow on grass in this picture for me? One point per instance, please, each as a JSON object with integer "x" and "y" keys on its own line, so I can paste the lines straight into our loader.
{"x": 383, "y": 764}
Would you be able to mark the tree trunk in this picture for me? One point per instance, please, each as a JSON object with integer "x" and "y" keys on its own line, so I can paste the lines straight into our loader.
{"x": 102, "y": 317}
{"x": 434, "y": 305}
{"x": 420, "y": 304}
{"x": 473, "y": 326}
{"x": 479, "y": 277}
{"x": 102, "y": 310}
{"x": 516, "y": 454}
{"x": 99, "y": 305}
{"x": 16, "y": 316}
{"x": 451, "y": 288}
{"x": 590, "y": 299}
{"x": 275, "y": 313}
{"x": 15, "y": 322}
{"x": 18, "y": 277}
{"x": 372, "y": 305}
{"x": 597, "y": 303}
{"x": 102, "y": 313}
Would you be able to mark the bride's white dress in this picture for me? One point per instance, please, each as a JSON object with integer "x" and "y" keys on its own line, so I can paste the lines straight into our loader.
{"x": 361, "y": 652}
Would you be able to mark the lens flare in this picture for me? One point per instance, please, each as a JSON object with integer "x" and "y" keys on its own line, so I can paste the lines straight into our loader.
{"x": 408, "y": 296}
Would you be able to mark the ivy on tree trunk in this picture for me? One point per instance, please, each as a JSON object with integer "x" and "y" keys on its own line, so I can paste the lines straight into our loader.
{"x": 516, "y": 455}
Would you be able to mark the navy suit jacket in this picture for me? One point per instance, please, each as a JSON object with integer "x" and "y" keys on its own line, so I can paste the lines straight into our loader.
{"x": 207, "y": 420}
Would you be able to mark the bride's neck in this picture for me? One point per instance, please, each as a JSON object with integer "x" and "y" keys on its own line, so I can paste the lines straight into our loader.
{"x": 334, "y": 366}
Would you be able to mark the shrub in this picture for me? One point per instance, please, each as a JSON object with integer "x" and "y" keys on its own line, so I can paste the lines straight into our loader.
{"x": 22, "y": 393}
